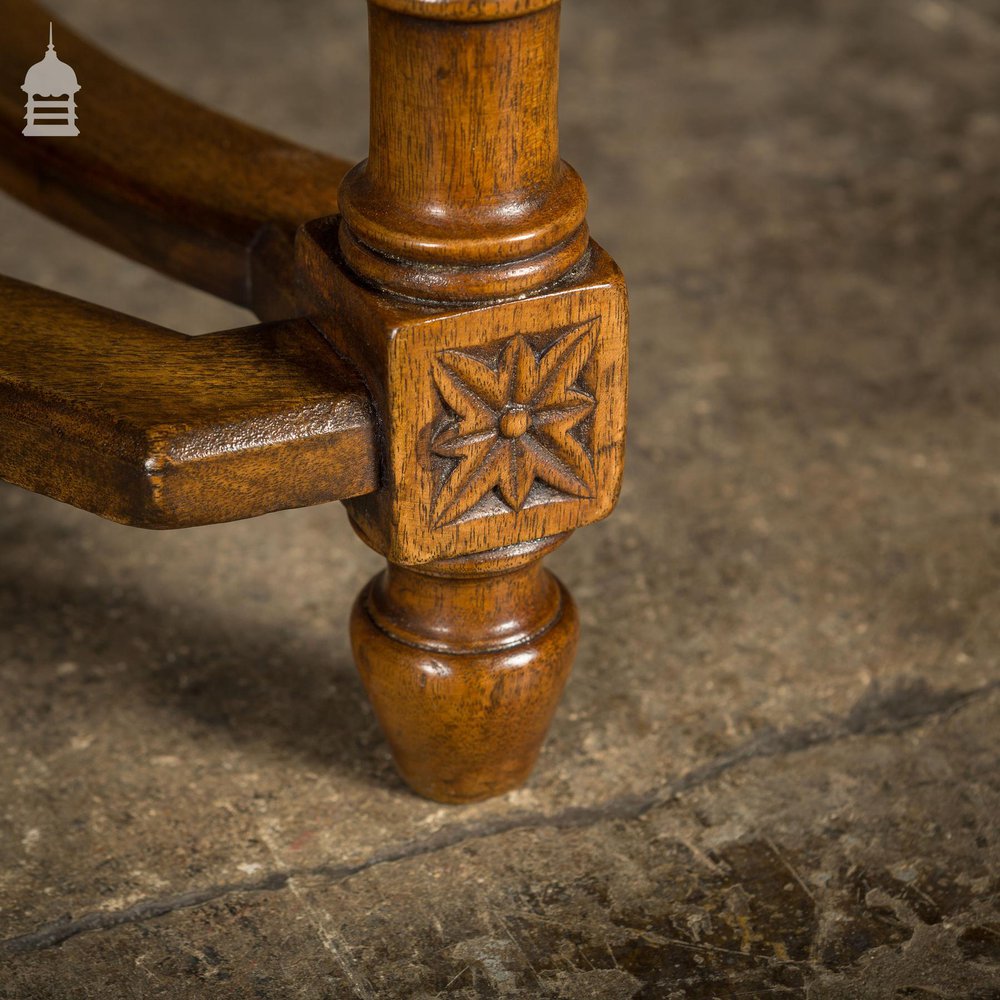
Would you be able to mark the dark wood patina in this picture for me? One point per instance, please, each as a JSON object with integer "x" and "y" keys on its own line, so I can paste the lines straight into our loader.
{"x": 443, "y": 348}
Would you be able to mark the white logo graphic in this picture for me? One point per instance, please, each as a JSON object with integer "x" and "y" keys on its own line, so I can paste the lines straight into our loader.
{"x": 51, "y": 78}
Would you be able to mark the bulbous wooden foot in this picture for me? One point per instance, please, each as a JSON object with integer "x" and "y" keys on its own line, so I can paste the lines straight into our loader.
{"x": 464, "y": 663}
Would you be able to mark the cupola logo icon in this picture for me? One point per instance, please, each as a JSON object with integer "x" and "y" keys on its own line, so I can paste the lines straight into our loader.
{"x": 51, "y": 87}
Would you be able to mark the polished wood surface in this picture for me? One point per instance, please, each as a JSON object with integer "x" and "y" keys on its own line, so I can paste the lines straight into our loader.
{"x": 501, "y": 422}
{"x": 157, "y": 177}
{"x": 492, "y": 335}
{"x": 464, "y": 663}
{"x": 152, "y": 428}
{"x": 448, "y": 355}
{"x": 463, "y": 195}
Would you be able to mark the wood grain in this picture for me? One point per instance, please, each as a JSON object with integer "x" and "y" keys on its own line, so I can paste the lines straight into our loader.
{"x": 152, "y": 428}
{"x": 464, "y": 663}
{"x": 159, "y": 178}
{"x": 442, "y": 372}
{"x": 463, "y": 195}
{"x": 466, "y": 10}
{"x": 492, "y": 335}
{"x": 461, "y": 284}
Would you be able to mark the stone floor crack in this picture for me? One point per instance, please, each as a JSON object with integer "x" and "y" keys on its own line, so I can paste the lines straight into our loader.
{"x": 900, "y": 708}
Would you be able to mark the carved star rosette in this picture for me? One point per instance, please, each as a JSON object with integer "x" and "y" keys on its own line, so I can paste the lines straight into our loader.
{"x": 500, "y": 424}
{"x": 516, "y": 425}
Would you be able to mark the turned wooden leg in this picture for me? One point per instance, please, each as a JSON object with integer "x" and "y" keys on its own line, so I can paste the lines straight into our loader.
{"x": 448, "y": 355}
{"x": 464, "y": 662}
{"x": 491, "y": 333}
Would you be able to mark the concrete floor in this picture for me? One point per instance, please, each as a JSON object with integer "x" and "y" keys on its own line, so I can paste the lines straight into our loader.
{"x": 774, "y": 772}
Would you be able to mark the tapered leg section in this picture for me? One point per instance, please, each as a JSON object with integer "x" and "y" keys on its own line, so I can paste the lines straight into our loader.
{"x": 464, "y": 665}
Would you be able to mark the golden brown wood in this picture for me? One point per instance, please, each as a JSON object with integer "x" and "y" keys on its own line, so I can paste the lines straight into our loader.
{"x": 195, "y": 194}
{"x": 463, "y": 194}
{"x": 446, "y": 379}
{"x": 149, "y": 427}
{"x": 464, "y": 663}
{"x": 491, "y": 333}
{"x": 459, "y": 281}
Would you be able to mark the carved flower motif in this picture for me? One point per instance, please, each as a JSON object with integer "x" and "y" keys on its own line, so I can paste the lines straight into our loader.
{"x": 512, "y": 423}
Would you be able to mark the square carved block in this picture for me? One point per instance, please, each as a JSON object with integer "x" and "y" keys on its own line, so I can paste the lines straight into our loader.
{"x": 502, "y": 423}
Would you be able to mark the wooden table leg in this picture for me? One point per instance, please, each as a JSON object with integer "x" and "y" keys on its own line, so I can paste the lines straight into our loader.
{"x": 461, "y": 283}
{"x": 464, "y": 662}
{"x": 491, "y": 332}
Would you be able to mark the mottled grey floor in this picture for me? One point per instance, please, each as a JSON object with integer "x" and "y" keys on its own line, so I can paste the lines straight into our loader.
{"x": 774, "y": 772}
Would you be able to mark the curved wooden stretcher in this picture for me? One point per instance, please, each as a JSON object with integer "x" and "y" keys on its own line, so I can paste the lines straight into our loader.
{"x": 443, "y": 347}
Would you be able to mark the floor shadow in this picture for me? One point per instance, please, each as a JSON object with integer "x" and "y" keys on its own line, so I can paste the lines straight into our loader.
{"x": 197, "y": 668}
